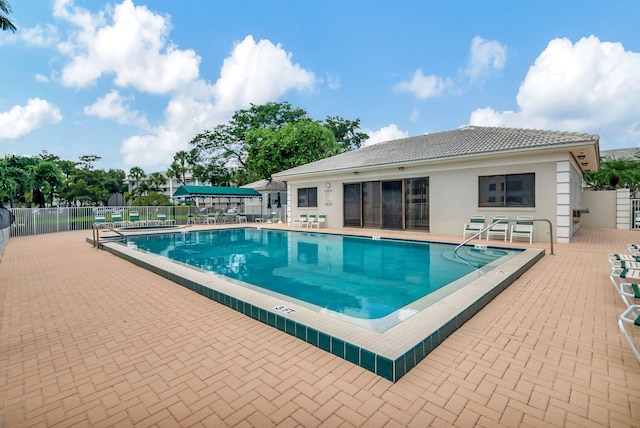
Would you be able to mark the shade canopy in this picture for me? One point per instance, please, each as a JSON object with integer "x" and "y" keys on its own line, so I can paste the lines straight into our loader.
{"x": 215, "y": 192}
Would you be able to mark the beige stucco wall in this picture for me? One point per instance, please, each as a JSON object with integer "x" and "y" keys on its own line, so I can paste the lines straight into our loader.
{"x": 453, "y": 188}
{"x": 602, "y": 208}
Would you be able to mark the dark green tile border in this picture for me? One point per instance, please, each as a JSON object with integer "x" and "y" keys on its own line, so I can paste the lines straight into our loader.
{"x": 392, "y": 370}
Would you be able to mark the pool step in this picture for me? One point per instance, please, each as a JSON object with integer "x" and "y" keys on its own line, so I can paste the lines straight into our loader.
{"x": 477, "y": 257}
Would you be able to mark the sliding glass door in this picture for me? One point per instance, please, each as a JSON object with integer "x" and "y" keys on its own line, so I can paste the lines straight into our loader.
{"x": 416, "y": 203}
{"x": 396, "y": 204}
{"x": 352, "y": 205}
{"x": 392, "y": 205}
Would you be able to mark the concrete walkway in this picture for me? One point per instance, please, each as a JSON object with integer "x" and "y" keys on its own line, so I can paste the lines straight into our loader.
{"x": 88, "y": 339}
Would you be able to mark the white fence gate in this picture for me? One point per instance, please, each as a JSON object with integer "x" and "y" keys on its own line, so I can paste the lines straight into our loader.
{"x": 635, "y": 214}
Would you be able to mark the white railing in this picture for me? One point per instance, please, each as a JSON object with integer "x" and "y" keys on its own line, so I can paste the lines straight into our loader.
{"x": 35, "y": 221}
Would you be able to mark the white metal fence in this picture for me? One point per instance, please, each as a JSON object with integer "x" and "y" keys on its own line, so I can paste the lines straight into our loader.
{"x": 34, "y": 221}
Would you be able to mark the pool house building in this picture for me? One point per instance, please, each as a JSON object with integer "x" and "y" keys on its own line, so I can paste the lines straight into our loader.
{"x": 436, "y": 182}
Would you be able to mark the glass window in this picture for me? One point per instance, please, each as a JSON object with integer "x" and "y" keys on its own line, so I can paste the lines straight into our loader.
{"x": 308, "y": 197}
{"x": 514, "y": 190}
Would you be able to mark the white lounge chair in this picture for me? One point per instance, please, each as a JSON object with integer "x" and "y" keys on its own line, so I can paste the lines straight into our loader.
{"x": 630, "y": 316}
{"x": 475, "y": 225}
{"x": 501, "y": 228}
{"x": 100, "y": 222}
{"x": 301, "y": 221}
{"x": 321, "y": 220}
{"x": 118, "y": 221}
{"x": 312, "y": 219}
{"x": 523, "y": 228}
{"x": 134, "y": 217}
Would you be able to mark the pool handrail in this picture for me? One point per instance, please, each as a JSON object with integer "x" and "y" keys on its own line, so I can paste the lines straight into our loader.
{"x": 455, "y": 250}
{"x": 498, "y": 221}
{"x": 96, "y": 234}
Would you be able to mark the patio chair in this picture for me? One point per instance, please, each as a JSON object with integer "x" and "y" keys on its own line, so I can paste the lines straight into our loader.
{"x": 625, "y": 257}
{"x": 312, "y": 219}
{"x": 100, "y": 222}
{"x": 321, "y": 220}
{"x": 134, "y": 217}
{"x": 523, "y": 228}
{"x": 630, "y": 316}
{"x": 164, "y": 221}
{"x": 273, "y": 216}
{"x": 501, "y": 228}
{"x": 301, "y": 221}
{"x": 475, "y": 225}
{"x": 118, "y": 221}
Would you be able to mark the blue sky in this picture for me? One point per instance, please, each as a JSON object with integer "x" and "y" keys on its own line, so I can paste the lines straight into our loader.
{"x": 134, "y": 81}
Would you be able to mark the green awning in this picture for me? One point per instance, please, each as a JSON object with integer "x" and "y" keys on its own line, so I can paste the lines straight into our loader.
{"x": 215, "y": 192}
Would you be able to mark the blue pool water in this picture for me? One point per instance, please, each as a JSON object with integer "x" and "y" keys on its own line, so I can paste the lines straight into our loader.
{"x": 356, "y": 276}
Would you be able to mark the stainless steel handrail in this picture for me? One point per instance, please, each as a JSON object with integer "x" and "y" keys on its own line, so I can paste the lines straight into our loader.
{"x": 455, "y": 251}
{"x": 96, "y": 234}
{"x": 509, "y": 220}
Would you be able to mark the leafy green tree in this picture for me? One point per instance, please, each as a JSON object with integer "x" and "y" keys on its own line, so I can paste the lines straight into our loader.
{"x": 114, "y": 182}
{"x": 10, "y": 183}
{"x": 273, "y": 150}
{"x": 226, "y": 146}
{"x": 346, "y": 132}
{"x": 153, "y": 199}
{"x": 86, "y": 187}
{"x": 5, "y": 23}
{"x": 87, "y": 161}
{"x": 48, "y": 181}
{"x": 227, "y": 153}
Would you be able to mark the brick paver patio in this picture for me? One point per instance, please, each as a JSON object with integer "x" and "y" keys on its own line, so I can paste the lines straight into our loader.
{"x": 88, "y": 339}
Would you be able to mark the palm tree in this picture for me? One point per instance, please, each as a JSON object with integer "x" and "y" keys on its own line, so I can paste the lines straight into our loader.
{"x": 156, "y": 179}
{"x": 179, "y": 167}
{"x": 5, "y": 24}
{"x": 136, "y": 174}
{"x": 616, "y": 173}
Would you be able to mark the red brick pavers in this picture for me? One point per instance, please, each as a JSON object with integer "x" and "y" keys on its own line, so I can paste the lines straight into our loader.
{"x": 88, "y": 339}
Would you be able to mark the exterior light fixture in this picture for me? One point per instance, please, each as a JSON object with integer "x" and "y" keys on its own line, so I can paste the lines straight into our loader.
{"x": 581, "y": 157}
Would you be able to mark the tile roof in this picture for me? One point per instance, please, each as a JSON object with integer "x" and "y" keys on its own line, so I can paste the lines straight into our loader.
{"x": 469, "y": 140}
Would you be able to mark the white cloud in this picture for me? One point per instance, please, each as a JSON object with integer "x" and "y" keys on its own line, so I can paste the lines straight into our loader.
{"x": 387, "y": 133}
{"x": 117, "y": 108}
{"x": 257, "y": 73}
{"x": 486, "y": 56}
{"x": 35, "y": 36}
{"x": 130, "y": 43}
{"x": 424, "y": 86}
{"x": 41, "y": 78}
{"x": 133, "y": 48}
{"x": 589, "y": 86}
{"x": 21, "y": 120}
{"x": 254, "y": 73}
{"x": 333, "y": 81}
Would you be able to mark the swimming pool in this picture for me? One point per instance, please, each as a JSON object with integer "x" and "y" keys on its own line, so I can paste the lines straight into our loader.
{"x": 276, "y": 276}
{"x": 348, "y": 276}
